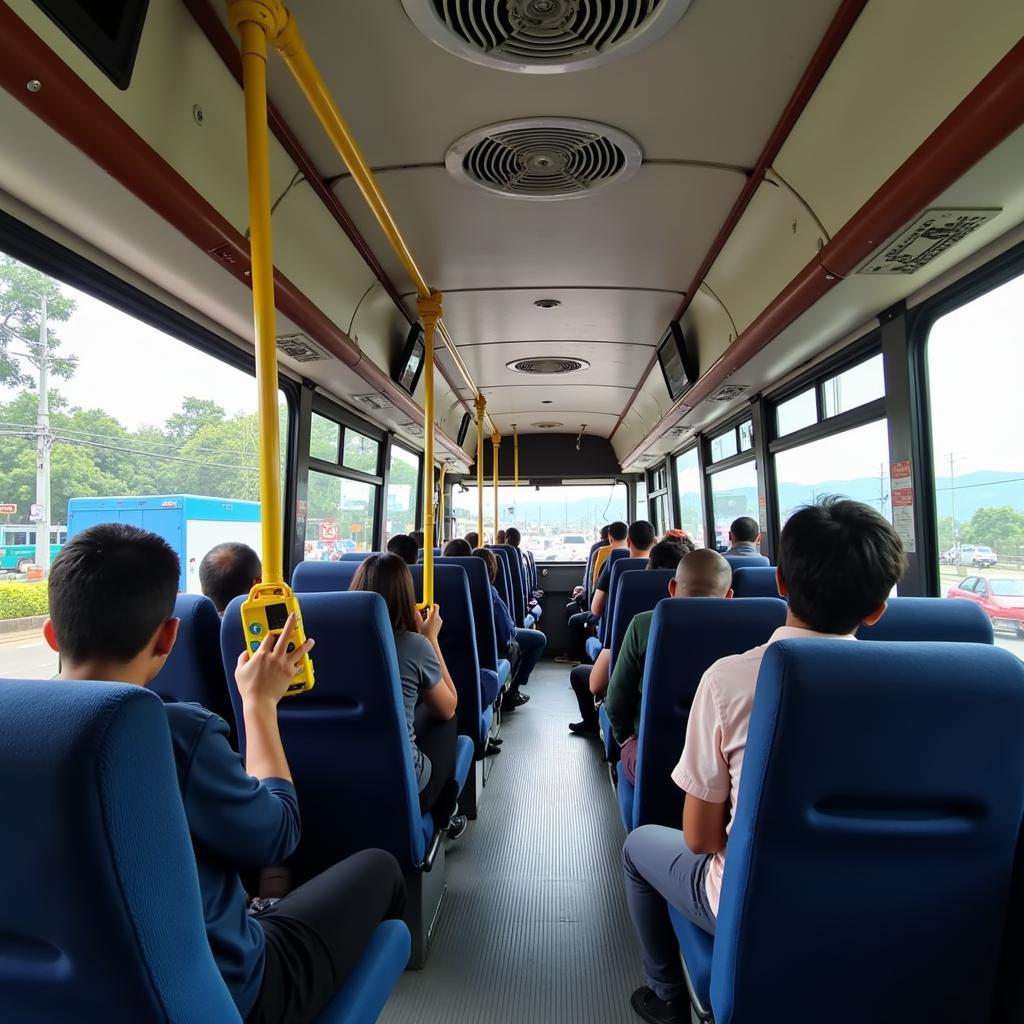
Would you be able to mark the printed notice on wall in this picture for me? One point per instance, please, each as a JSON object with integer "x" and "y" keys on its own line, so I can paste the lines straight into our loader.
{"x": 903, "y": 504}
{"x": 762, "y": 513}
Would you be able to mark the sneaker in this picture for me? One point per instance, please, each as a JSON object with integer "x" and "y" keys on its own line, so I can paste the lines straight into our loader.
{"x": 457, "y": 826}
{"x": 658, "y": 1011}
{"x": 492, "y": 748}
{"x": 585, "y": 728}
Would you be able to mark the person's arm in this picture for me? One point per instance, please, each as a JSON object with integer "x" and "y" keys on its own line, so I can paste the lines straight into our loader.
{"x": 599, "y": 673}
{"x": 600, "y": 593}
{"x": 441, "y": 697}
{"x": 624, "y": 687}
{"x": 704, "y": 824}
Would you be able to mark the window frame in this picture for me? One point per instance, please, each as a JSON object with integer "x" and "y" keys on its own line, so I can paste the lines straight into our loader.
{"x": 658, "y": 496}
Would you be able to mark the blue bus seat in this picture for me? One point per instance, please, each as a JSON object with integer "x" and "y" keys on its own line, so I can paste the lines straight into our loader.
{"x": 323, "y": 577}
{"x": 637, "y": 592}
{"x": 483, "y": 617}
{"x": 745, "y": 561}
{"x": 503, "y": 583}
{"x": 514, "y": 564}
{"x": 931, "y": 619}
{"x": 357, "y": 556}
{"x": 688, "y": 635}
{"x": 619, "y": 567}
{"x": 588, "y": 573}
{"x": 106, "y": 921}
{"x": 194, "y": 672}
{"x": 929, "y": 817}
{"x": 754, "y": 581}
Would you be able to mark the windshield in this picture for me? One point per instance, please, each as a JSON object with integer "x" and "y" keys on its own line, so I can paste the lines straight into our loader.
{"x": 1008, "y": 588}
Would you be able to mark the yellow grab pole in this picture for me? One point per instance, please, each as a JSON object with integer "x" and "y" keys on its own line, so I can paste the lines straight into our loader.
{"x": 254, "y": 23}
{"x": 481, "y": 408}
{"x": 429, "y": 309}
{"x": 440, "y": 499}
{"x": 496, "y": 441}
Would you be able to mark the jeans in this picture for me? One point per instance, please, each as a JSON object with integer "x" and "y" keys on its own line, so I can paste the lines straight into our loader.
{"x": 531, "y": 646}
{"x": 578, "y": 634}
{"x": 579, "y": 680}
{"x": 659, "y": 870}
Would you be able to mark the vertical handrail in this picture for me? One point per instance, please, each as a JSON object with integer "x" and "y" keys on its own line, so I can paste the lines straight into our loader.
{"x": 481, "y": 407}
{"x": 496, "y": 441}
{"x": 429, "y": 309}
{"x": 440, "y": 502}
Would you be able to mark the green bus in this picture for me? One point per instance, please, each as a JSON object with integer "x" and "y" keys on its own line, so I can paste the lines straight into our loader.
{"x": 18, "y": 545}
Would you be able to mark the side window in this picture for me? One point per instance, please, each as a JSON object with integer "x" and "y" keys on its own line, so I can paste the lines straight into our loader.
{"x": 981, "y": 588}
{"x": 968, "y": 584}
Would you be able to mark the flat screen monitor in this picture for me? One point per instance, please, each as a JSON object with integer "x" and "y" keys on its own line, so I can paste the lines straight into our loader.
{"x": 678, "y": 366}
{"x": 410, "y": 366}
{"x": 463, "y": 429}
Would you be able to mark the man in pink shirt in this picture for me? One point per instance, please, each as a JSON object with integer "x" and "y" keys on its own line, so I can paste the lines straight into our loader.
{"x": 838, "y": 562}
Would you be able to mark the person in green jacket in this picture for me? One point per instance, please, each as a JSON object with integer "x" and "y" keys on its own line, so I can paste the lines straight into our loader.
{"x": 702, "y": 573}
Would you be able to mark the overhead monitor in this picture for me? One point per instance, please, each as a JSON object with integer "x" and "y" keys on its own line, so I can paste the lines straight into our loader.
{"x": 678, "y": 366}
{"x": 410, "y": 366}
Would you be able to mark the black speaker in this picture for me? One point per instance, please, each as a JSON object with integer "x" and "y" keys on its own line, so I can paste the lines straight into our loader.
{"x": 463, "y": 428}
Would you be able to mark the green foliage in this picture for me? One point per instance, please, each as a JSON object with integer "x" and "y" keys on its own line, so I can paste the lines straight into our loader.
{"x": 22, "y": 600}
{"x": 1001, "y": 528}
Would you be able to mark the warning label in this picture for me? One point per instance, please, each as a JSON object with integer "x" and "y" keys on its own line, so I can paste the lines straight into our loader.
{"x": 903, "y": 504}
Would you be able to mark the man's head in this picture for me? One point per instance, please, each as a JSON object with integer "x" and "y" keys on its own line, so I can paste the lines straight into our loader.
{"x": 668, "y": 553}
{"x": 702, "y": 573}
{"x": 744, "y": 531}
{"x": 228, "y": 571}
{"x": 472, "y": 539}
{"x": 457, "y": 548}
{"x": 417, "y": 535}
{"x": 112, "y": 591}
{"x": 640, "y": 538}
{"x": 617, "y": 533}
{"x": 512, "y": 537}
{"x": 404, "y": 545}
{"x": 838, "y": 563}
{"x": 489, "y": 560}
{"x": 604, "y": 532}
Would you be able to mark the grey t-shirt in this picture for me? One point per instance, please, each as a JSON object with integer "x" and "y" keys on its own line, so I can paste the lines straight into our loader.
{"x": 419, "y": 671}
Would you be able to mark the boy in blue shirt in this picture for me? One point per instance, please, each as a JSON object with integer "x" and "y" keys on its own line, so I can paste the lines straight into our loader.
{"x": 112, "y": 591}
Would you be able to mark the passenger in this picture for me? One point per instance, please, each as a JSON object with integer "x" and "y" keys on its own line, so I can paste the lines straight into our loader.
{"x": 618, "y": 533}
{"x": 582, "y": 624}
{"x": 404, "y": 545}
{"x": 112, "y": 591}
{"x": 417, "y": 535}
{"x": 457, "y": 548}
{"x": 473, "y": 539}
{"x": 590, "y": 682}
{"x": 499, "y": 537}
{"x": 577, "y": 602}
{"x": 427, "y": 688}
{"x": 640, "y": 539}
{"x": 744, "y": 536}
{"x": 703, "y": 573}
{"x": 533, "y": 610}
{"x": 838, "y": 563}
{"x": 228, "y": 571}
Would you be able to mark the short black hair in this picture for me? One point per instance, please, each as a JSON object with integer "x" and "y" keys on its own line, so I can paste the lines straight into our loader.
{"x": 403, "y": 545}
{"x": 489, "y": 560}
{"x": 111, "y": 587}
{"x": 839, "y": 560}
{"x": 228, "y": 571}
{"x": 604, "y": 531}
{"x": 618, "y": 531}
{"x": 668, "y": 553}
{"x": 418, "y": 536}
{"x": 472, "y": 539}
{"x": 745, "y": 530}
{"x": 458, "y": 548}
{"x": 513, "y": 537}
{"x": 641, "y": 535}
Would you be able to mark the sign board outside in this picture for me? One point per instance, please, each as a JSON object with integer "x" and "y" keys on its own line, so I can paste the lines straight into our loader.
{"x": 36, "y": 513}
{"x": 328, "y": 530}
{"x": 8, "y": 510}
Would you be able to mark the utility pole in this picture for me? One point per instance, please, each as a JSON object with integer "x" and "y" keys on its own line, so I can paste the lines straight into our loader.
{"x": 43, "y": 444}
{"x": 952, "y": 503}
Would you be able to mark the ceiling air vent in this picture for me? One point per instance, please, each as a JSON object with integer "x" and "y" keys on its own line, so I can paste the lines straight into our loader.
{"x": 373, "y": 401}
{"x": 301, "y": 349}
{"x": 678, "y": 431}
{"x": 544, "y": 158}
{"x": 927, "y": 238}
{"x": 548, "y": 365}
{"x": 727, "y": 392}
{"x": 548, "y": 425}
{"x": 416, "y": 429}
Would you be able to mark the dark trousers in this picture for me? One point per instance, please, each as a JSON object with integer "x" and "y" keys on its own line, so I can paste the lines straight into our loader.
{"x": 578, "y": 632}
{"x": 437, "y": 741}
{"x": 579, "y": 680}
{"x": 317, "y": 935}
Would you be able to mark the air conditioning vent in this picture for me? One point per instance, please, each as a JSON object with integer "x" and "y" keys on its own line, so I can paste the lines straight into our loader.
{"x": 727, "y": 392}
{"x": 926, "y": 239}
{"x": 416, "y": 429}
{"x": 544, "y": 158}
{"x": 678, "y": 431}
{"x": 373, "y": 401}
{"x": 544, "y": 36}
{"x": 548, "y": 425}
{"x": 301, "y": 349}
{"x": 548, "y": 365}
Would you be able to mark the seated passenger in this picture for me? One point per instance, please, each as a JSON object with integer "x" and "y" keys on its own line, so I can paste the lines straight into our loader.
{"x": 744, "y": 536}
{"x": 403, "y": 545}
{"x": 590, "y": 682}
{"x": 417, "y": 535}
{"x": 112, "y": 591}
{"x": 838, "y": 563}
{"x": 702, "y": 573}
{"x": 640, "y": 539}
{"x": 582, "y": 624}
{"x": 577, "y": 602}
{"x": 472, "y": 539}
{"x": 427, "y": 688}
{"x": 499, "y": 537}
{"x": 228, "y": 571}
{"x": 533, "y": 609}
{"x": 457, "y": 548}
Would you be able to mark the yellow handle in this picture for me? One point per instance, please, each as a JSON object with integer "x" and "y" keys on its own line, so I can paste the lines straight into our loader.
{"x": 429, "y": 309}
{"x": 481, "y": 408}
{"x": 496, "y": 441}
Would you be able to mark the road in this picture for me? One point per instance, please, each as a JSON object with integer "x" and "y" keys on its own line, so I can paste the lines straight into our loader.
{"x": 26, "y": 656}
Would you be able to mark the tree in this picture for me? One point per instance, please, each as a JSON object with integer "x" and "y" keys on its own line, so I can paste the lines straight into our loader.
{"x": 1001, "y": 528}
{"x": 195, "y": 414}
{"x": 946, "y": 539}
{"x": 21, "y": 291}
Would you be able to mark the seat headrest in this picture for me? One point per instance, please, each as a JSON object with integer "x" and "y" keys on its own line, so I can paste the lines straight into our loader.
{"x": 930, "y": 619}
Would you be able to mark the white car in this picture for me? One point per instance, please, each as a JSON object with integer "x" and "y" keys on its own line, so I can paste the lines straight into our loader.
{"x": 980, "y": 555}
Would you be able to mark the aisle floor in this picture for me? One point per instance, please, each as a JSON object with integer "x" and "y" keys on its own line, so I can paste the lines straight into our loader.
{"x": 534, "y": 927}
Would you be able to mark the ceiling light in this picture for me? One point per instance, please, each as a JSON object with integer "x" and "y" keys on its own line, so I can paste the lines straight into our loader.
{"x": 547, "y": 303}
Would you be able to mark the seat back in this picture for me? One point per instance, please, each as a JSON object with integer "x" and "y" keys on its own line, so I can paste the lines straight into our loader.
{"x": 688, "y": 635}
{"x": 483, "y": 608}
{"x": 588, "y": 573}
{"x": 531, "y": 570}
{"x": 516, "y": 580}
{"x": 437, "y": 554}
{"x": 932, "y": 619}
{"x": 347, "y": 739}
{"x": 357, "y": 556}
{"x": 194, "y": 671}
{"x": 754, "y": 581}
{"x": 868, "y": 859}
{"x": 745, "y": 561}
{"x": 502, "y": 583}
{"x": 323, "y": 577}
{"x": 638, "y": 592}
{"x": 619, "y": 567}
{"x": 101, "y": 919}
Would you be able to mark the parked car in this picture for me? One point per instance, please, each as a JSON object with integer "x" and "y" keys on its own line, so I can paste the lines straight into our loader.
{"x": 1002, "y": 598}
{"x": 980, "y": 555}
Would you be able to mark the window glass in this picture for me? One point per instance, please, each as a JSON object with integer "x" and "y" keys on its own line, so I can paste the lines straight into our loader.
{"x": 403, "y": 481}
{"x": 859, "y": 385}
{"x": 340, "y": 517}
{"x": 975, "y": 364}
{"x": 133, "y": 413}
{"x": 968, "y": 584}
{"x": 723, "y": 446}
{"x": 796, "y": 413}
{"x": 746, "y": 436}
{"x": 854, "y": 464}
{"x": 360, "y": 452}
{"x": 641, "y": 500}
{"x": 691, "y": 501}
{"x": 733, "y": 494}
{"x": 324, "y": 436}
{"x": 981, "y": 587}
{"x": 659, "y": 516}
{"x": 558, "y": 524}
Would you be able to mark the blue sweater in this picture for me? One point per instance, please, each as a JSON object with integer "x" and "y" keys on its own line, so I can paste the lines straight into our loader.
{"x": 235, "y": 821}
{"x": 504, "y": 626}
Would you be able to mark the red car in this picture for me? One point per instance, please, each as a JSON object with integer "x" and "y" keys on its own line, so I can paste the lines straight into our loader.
{"x": 1002, "y": 597}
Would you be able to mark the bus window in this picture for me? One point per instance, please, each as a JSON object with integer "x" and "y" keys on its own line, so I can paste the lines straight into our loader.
{"x": 324, "y": 439}
{"x": 641, "y": 500}
{"x": 796, "y": 413}
{"x": 340, "y": 518}
{"x": 691, "y": 495}
{"x": 857, "y": 386}
{"x": 979, "y": 495}
{"x": 403, "y": 489}
{"x": 360, "y": 452}
{"x": 733, "y": 494}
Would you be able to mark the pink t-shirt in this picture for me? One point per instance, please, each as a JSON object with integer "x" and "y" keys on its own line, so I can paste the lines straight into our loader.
{"x": 716, "y": 735}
